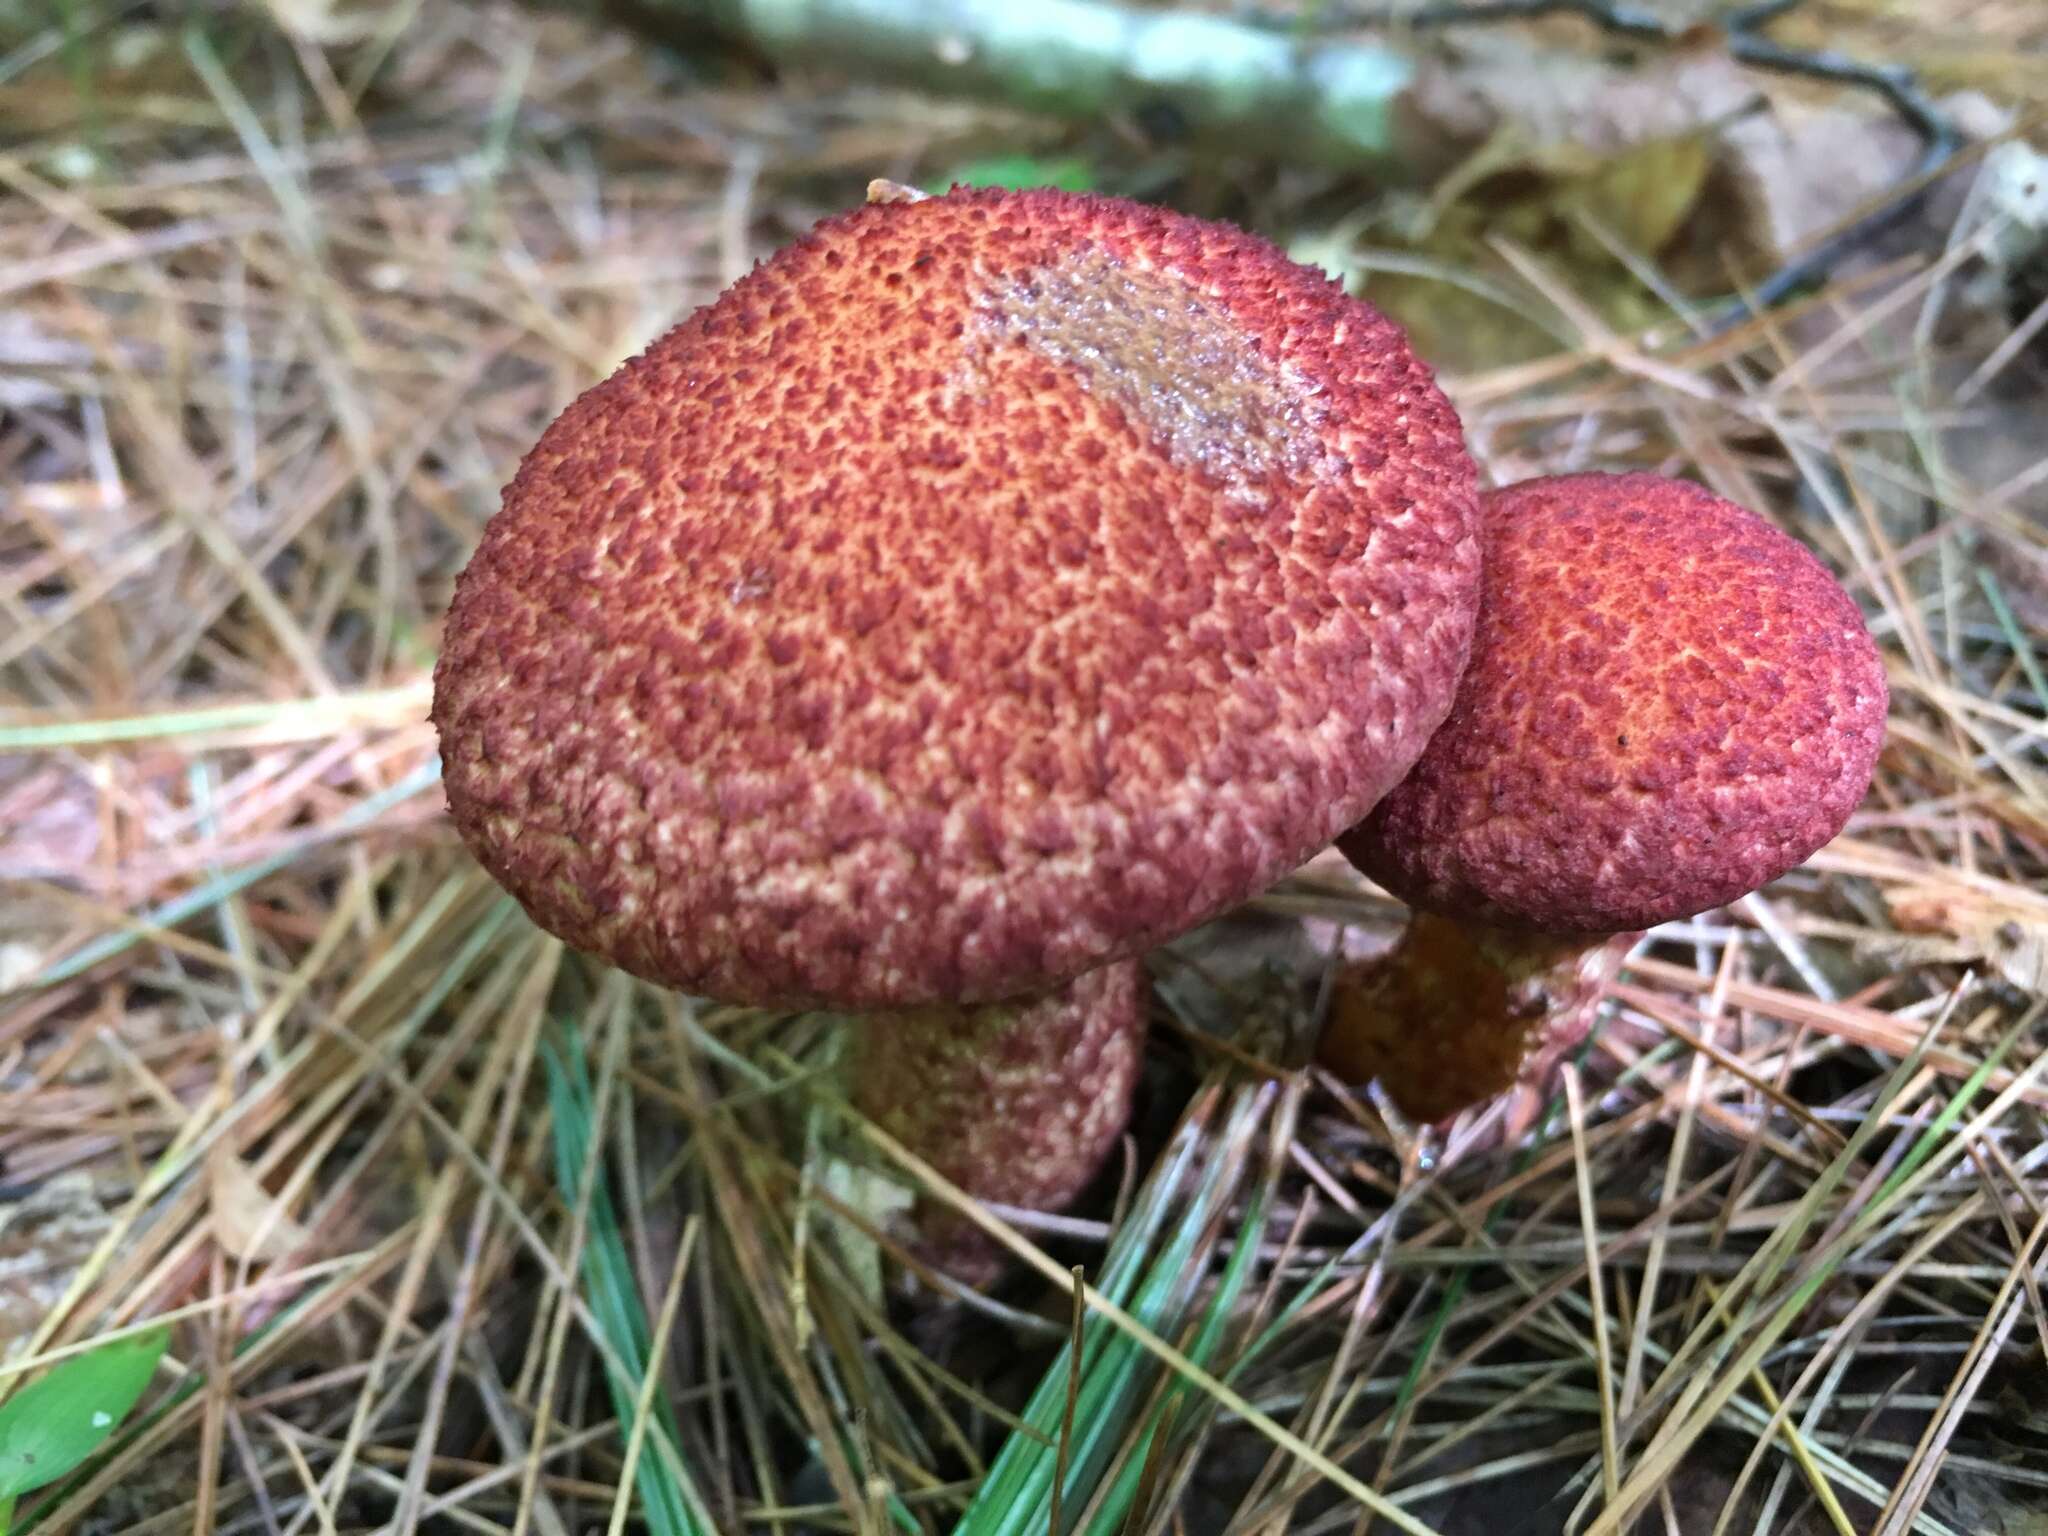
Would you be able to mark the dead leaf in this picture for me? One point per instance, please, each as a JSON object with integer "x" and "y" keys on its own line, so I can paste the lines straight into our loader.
{"x": 1644, "y": 194}
{"x": 321, "y": 22}
{"x": 1561, "y": 154}
{"x": 877, "y": 1197}
{"x": 2010, "y": 936}
{"x": 1560, "y": 202}
{"x": 1561, "y": 101}
{"x": 247, "y": 1220}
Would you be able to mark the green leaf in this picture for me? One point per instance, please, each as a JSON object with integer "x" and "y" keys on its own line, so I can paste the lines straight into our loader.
{"x": 1068, "y": 173}
{"x": 47, "y": 1429}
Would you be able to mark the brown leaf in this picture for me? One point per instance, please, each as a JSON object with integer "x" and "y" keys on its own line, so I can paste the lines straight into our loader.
{"x": 322, "y": 22}
{"x": 247, "y": 1221}
{"x": 1567, "y": 108}
{"x": 2009, "y": 935}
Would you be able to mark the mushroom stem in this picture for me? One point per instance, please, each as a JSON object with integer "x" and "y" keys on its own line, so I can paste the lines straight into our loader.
{"x": 1017, "y": 1103}
{"x": 1458, "y": 1012}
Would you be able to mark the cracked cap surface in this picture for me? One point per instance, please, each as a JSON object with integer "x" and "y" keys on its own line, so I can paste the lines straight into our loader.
{"x": 1669, "y": 704}
{"x": 983, "y": 589}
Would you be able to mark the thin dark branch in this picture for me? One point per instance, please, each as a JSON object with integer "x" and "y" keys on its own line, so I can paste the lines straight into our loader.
{"x": 1746, "y": 18}
{"x": 1894, "y": 82}
{"x": 1607, "y": 15}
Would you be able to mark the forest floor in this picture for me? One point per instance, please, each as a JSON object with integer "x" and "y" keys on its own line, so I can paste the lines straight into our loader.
{"x": 454, "y": 1230}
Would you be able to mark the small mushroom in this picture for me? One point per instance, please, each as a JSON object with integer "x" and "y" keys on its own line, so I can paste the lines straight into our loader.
{"x": 983, "y": 590}
{"x": 1669, "y": 704}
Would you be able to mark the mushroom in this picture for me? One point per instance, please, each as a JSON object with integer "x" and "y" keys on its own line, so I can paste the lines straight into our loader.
{"x": 984, "y": 589}
{"x": 1018, "y": 1103}
{"x": 1669, "y": 704}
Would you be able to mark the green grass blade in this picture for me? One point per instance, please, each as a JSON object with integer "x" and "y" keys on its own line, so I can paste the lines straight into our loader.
{"x": 1155, "y": 1267}
{"x": 1110, "y": 1515}
{"x": 671, "y": 1503}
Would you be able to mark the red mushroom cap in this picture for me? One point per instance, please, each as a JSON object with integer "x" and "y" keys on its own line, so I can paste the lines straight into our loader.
{"x": 985, "y": 588}
{"x": 1669, "y": 704}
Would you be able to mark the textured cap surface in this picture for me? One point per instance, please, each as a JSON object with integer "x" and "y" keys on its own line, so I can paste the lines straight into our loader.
{"x": 1669, "y": 704}
{"x": 983, "y": 589}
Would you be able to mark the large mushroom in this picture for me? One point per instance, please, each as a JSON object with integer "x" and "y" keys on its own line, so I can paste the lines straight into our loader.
{"x": 1669, "y": 704}
{"x": 981, "y": 591}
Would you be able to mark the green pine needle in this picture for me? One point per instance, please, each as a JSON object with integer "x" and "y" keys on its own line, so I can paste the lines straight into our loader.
{"x": 671, "y": 1503}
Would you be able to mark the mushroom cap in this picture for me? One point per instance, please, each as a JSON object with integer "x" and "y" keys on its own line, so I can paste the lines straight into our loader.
{"x": 1669, "y": 704}
{"x": 985, "y": 588}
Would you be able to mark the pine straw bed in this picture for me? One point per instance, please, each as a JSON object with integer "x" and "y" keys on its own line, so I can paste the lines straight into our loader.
{"x": 453, "y": 1228}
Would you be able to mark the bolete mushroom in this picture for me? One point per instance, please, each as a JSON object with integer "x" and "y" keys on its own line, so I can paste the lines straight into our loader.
{"x": 1669, "y": 704}
{"x": 1017, "y": 1103}
{"x": 984, "y": 589}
